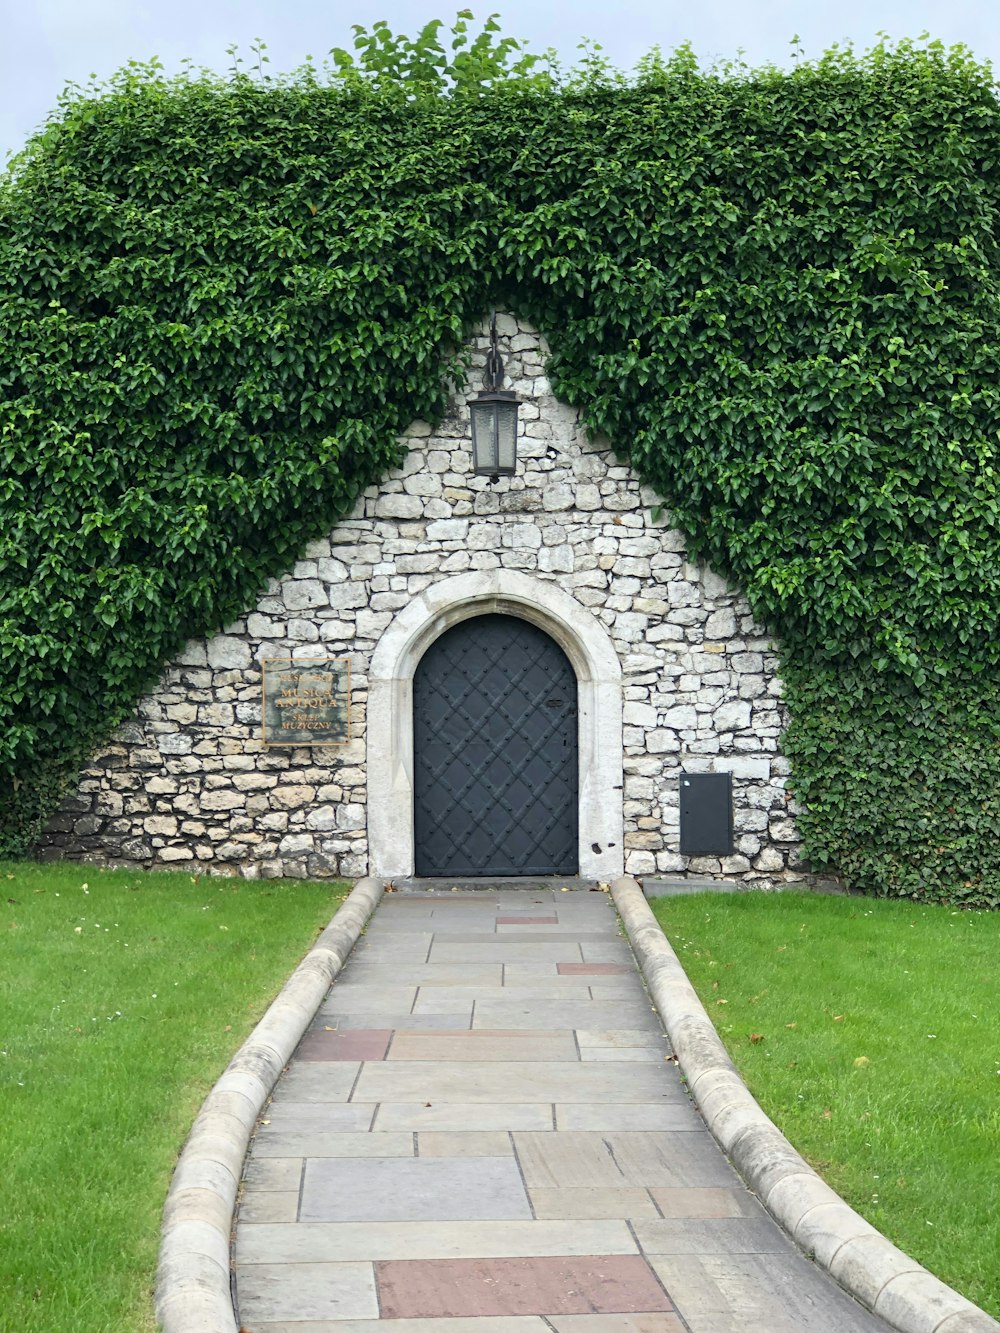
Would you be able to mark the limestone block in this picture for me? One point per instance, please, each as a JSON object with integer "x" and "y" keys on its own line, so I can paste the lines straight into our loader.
{"x": 556, "y": 559}
{"x": 745, "y": 767}
{"x": 423, "y": 484}
{"x": 640, "y": 863}
{"x": 705, "y": 865}
{"x": 721, "y": 624}
{"x": 681, "y": 593}
{"x": 522, "y": 536}
{"x": 557, "y": 497}
{"x": 296, "y": 844}
{"x": 399, "y": 506}
{"x": 175, "y": 854}
{"x": 734, "y": 716}
{"x": 220, "y": 800}
{"x": 640, "y": 715}
{"x": 769, "y": 859}
{"x": 292, "y": 797}
{"x": 448, "y": 530}
{"x": 301, "y": 594}
{"x": 643, "y": 839}
{"x": 323, "y": 818}
{"x": 193, "y": 654}
{"x": 683, "y": 717}
{"x": 662, "y": 741}
{"x": 484, "y": 537}
{"x": 162, "y": 824}
{"x": 629, "y": 627}
{"x": 370, "y": 624}
{"x": 215, "y": 715}
{"x": 181, "y": 713}
{"x": 177, "y": 742}
{"x": 783, "y": 830}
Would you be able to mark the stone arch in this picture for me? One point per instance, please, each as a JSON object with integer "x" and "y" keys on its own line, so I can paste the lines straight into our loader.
{"x": 390, "y": 711}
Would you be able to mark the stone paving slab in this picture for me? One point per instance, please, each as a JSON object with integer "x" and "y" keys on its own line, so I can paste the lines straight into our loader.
{"x": 325, "y": 1290}
{"x": 516, "y": 1011}
{"x": 464, "y": 1115}
{"x": 272, "y": 1173}
{"x": 634, "y": 1157}
{"x": 410, "y": 1189}
{"x": 449, "y": 950}
{"x": 625, "y": 1201}
{"x": 620, "y": 1038}
{"x": 616, "y": 1323}
{"x": 426, "y": 974}
{"x": 309, "y": 1081}
{"x": 670, "y": 1114}
{"x": 518, "y": 1046}
{"x": 461, "y": 1017}
{"x": 345, "y": 995}
{"x": 464, "y": 1143}
{"x": 359, "y": 1044}
{"x": 530, "y": 1324}
{"x": 309, "y": 1242}
{"x": 467, "y": 1287}
{"x": 315, "y": 1118}
{"x": 703, "y": 1202}
{"x": 484, "y": 1131}
{"x": 495, "y": 1083}
{"x": 270, "y": 1206}
{"x": 278, "y": 1142}
{"x": 555, "y": 935}
{"x": 743, "y": 1292}
{"x": 726, "y": 1235}
{"x": 627, "y": 1054}
{"x": 552, "y": 987}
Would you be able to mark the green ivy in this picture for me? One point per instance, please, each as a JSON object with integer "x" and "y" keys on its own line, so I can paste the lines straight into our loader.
{"x": 777, "y": 293}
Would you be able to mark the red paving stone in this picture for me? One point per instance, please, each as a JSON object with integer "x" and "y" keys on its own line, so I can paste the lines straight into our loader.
{"x": 349, "y": 1044}
{"x": 471, "y": 1288}
{"x": 593, "y": 969}
{"x": 527, "y": 921}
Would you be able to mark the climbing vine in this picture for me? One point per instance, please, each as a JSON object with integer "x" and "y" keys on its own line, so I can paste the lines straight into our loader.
{"x": 221, "y": 299}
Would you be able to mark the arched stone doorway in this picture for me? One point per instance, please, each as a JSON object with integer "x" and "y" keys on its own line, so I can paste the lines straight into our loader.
{"x": 495, "y": 752}
{"x": 599, "y": 712}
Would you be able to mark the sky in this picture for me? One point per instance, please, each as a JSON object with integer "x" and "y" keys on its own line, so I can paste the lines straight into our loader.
{"x": 45, "y": 44}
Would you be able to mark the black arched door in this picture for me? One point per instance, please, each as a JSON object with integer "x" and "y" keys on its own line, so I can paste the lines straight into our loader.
{"x": 495, "y": 752}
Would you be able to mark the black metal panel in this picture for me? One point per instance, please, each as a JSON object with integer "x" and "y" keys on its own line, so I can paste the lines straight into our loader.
{"x": 495, "y": 752}
{"x": 706, "y": 814}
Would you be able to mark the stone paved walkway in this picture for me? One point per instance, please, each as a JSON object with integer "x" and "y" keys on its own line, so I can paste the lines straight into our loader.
{"x": 483, "y": 1132}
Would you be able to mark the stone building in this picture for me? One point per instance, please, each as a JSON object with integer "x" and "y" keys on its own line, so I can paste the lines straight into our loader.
{"x": 539, "y": 679}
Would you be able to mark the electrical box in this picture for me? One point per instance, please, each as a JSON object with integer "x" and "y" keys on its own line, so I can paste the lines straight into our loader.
{"x": 706, "y": 814}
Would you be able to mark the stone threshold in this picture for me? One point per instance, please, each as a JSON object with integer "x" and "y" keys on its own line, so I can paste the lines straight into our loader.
{"x": 495, "y": 884}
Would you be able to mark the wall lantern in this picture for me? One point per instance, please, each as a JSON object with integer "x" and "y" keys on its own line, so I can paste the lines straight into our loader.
{"x": 494, "y": 419}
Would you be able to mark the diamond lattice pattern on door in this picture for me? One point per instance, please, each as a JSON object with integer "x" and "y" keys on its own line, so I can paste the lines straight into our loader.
{"x": 495, "y": 752}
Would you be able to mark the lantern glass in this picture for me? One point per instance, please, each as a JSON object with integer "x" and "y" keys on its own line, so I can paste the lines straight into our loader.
{"x": 494, "y": 433}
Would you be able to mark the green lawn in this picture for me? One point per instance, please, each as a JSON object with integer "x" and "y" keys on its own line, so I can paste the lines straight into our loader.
{"x": 870, "y": 1033}
{"x": 122, "y": 998}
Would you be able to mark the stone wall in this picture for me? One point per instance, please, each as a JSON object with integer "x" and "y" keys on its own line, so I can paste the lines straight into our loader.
{"x": 189, "y": 780}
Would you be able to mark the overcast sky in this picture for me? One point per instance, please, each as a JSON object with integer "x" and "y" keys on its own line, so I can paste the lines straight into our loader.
{"x": 46, "y": 43}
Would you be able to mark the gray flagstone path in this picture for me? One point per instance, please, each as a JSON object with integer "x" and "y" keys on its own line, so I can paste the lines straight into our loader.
{"x": 483, "y": 1131}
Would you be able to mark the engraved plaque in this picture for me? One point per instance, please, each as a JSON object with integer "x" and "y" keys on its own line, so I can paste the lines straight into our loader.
{"x": 306, "y": 701}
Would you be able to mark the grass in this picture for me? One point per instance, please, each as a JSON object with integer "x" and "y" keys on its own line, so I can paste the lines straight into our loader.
{"x": 123, "y": 996}
{"x": 869, "y": 1031}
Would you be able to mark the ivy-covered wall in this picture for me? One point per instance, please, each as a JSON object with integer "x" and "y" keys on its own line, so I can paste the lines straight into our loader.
{"x": 221, "y": 301}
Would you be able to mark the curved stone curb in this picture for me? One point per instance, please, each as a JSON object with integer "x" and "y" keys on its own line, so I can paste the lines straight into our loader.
{"x": 192, "y": 1280}
{"x": 867, "y": 1265}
